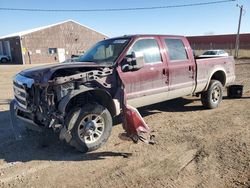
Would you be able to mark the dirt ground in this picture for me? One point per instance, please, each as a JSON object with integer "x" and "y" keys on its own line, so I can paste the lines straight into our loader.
{"x": 194, "y": 147}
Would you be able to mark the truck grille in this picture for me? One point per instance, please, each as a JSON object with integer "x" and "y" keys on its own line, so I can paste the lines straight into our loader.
{"x": 20, "y": 86}
{"x": 20, "y": 95}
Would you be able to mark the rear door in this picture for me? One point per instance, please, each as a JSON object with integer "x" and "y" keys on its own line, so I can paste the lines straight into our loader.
{"x": 181, "y": 66}
{"x": 151, "y": 79}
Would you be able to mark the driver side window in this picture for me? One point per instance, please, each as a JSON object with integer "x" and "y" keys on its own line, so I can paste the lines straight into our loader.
{"x": 149, "y": 48}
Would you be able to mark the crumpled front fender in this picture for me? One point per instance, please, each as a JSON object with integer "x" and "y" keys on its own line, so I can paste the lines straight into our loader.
{"x": 65, "y": 101}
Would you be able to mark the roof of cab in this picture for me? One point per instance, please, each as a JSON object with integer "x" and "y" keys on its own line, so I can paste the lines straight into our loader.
{"x": 145, "y": 35}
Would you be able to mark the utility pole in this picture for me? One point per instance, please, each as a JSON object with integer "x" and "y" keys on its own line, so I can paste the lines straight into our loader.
{"x": 237, "y": 43}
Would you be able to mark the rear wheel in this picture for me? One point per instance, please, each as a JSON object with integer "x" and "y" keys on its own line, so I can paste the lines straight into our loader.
{"x": 90, "y": 127}
{"x": 213, "y": 96}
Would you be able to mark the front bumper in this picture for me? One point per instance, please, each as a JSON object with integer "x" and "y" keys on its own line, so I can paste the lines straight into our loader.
{"x": 18, "y": 113}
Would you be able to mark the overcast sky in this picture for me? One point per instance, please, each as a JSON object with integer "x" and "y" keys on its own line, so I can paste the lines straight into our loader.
{"x": 199, "y": 20}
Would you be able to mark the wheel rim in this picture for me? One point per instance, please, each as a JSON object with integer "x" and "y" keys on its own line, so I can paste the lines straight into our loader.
{"x": 216, "y": 94}
{"x": 91, "y": 128}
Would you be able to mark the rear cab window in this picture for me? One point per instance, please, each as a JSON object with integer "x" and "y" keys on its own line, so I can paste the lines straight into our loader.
{"x": 176, "y": 50}
{"x": 149, "y": 48}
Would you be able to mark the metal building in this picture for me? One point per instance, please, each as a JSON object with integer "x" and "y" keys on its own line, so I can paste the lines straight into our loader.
{"x": 225, "y": 42}
{"x": 48, "y": 44}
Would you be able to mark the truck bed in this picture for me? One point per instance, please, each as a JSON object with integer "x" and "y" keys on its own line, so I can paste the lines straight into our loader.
{"x": 206, "y": 67}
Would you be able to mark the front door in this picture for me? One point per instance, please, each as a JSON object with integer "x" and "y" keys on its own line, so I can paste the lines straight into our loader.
{"x": 144, "y": 85}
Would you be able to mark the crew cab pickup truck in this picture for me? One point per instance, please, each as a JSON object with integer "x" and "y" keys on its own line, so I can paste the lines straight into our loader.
{"x": 80, "y": 98}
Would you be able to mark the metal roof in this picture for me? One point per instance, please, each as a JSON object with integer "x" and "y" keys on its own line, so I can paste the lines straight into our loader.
{"x": 212, "y": 35}
{"x": 227, "y": 38}
{"x": 22, "y": 33}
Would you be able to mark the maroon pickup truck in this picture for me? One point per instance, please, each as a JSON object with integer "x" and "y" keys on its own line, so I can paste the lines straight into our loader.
{"x": 80, "y": 98}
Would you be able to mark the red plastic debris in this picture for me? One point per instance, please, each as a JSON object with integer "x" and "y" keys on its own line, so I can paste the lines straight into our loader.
{"x": 133, "y": 121}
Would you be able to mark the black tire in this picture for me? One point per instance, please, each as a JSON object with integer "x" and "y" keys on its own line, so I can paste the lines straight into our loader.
{"x": 4, "y": 60}
{"x": 78, "y": 120}
{"x": 213, "y": 96}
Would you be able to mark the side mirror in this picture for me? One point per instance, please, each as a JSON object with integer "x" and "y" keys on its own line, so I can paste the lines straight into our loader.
{"x": 133, "y": 62}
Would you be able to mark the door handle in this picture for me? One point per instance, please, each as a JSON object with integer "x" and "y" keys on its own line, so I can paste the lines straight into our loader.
{"x": 164, "y": 72}
{"x": 165, "y": 75}
{"x": 191, "y": 73}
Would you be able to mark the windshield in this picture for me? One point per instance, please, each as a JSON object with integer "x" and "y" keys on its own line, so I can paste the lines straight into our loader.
{"x": 106, "y": 51}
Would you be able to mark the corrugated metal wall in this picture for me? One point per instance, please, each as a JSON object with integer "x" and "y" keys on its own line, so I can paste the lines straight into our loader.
{"x": 226, "y": 42}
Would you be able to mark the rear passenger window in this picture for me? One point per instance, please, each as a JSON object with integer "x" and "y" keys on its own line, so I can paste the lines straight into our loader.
{"x": 149, "y": 48}
{"x": 176, "y": 49}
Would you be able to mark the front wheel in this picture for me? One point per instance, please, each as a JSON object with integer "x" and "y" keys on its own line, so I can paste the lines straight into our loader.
{"x": 213, "y": 96}
{"x": 90, "y": 127}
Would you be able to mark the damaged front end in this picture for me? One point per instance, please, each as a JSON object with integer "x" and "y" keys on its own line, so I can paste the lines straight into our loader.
{"x": 44, "y": 99}
{"x": 41, "y": 103}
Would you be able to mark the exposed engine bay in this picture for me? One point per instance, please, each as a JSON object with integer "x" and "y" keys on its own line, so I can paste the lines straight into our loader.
{"x": 48, "y": 104}
{"x": 40, "y": 101}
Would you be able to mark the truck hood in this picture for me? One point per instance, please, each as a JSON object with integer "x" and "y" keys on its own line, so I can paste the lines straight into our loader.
{"x": 42, "y": 74}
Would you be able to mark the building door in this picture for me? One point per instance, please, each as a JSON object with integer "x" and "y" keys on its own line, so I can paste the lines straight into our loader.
{"x": 1, "y": 48}
{"x": 7, "y": 49}
{"x": 61, "y": 54}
